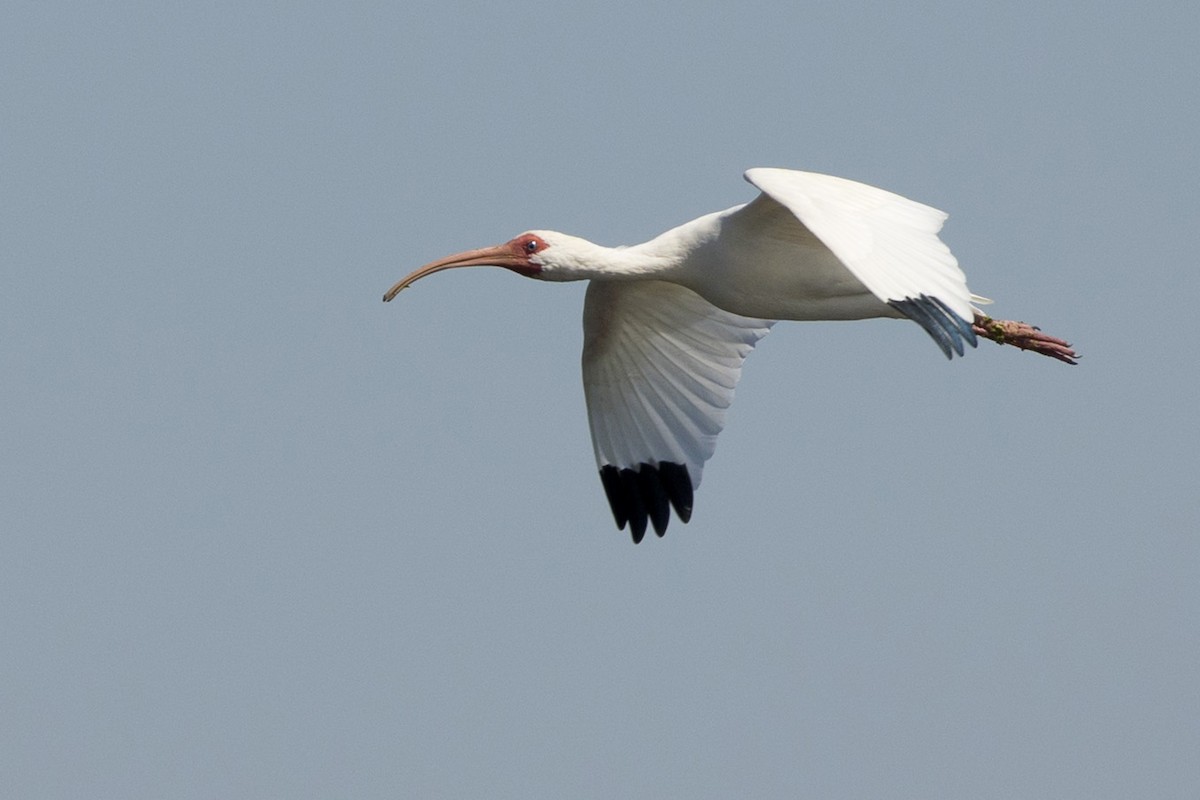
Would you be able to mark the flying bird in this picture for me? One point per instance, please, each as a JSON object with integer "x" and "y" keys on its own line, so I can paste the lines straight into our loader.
{"x": 668, "y": 323}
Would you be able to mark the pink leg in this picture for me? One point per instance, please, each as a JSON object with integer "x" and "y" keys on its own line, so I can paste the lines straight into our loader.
{"x": 1026, "y": 337}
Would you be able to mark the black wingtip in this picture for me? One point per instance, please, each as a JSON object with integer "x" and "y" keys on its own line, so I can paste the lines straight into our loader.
{"x": 944, "y": 326}
{"x": 646, "y": 495}
{"x": 610, "y": 477}
{"x": 654, "y": 498}
{"x": 962, "y": 327}
{"x": 635, "y": 509}
{"x": 678, "y": 484}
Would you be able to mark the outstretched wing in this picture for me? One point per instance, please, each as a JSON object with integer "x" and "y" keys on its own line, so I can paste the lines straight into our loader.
{"x": 888, "y": 242}
{"x": 660, "y": 364}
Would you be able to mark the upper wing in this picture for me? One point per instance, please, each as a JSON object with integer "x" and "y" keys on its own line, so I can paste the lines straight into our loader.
{"x": 888, "y": 242}
{"x": 660, "y": 364}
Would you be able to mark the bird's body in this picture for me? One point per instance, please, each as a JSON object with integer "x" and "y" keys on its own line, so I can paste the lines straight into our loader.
{"x": 764, "y": 286}
{"x": 789, "y": 275}
{"x": 668, "y": 323}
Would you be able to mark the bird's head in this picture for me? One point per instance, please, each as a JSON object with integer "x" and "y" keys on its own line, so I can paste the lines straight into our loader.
{"x": 546, "y": 255}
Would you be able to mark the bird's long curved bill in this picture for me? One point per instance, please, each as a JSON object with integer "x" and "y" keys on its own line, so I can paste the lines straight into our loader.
{"x": 497, "y": 256}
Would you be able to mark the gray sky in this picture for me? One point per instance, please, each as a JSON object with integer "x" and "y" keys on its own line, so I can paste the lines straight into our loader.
{"x": 264, "y": 536}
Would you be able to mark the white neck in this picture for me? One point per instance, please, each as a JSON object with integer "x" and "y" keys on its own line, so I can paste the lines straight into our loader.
{"x": 570, "y": 258}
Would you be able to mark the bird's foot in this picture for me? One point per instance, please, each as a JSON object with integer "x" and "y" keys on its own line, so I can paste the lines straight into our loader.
{"x": 1024, "y": 336}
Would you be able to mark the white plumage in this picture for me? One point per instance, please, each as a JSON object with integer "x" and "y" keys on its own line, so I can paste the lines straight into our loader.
{"x": 660, "y": 364}
{"x": 668, "y": 323}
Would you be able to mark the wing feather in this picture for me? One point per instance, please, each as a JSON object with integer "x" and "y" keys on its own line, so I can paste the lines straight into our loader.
{"x": 660, "y": 365}
{"x": 888, "y": 242}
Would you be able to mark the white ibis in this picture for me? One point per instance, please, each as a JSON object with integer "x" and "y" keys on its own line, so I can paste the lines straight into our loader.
{"x": 667, "y": 323}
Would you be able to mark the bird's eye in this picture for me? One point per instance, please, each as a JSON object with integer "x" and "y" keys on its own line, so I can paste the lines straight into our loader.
{"x": 531, "y": 246}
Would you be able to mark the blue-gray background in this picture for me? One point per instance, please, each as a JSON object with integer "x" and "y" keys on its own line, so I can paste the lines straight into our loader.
{"x": 264, "y": 536}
